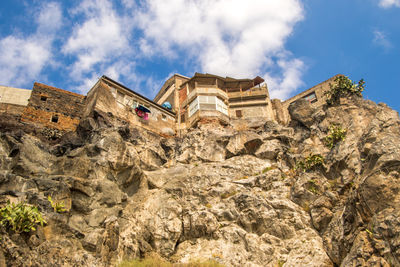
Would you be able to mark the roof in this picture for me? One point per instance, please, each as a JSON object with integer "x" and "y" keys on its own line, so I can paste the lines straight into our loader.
{"x": 167, "y": 84}
{"x": 227, "y": 79}
{"x": 137, "y": 94}
{"x": 36, "y": 84}
{"x": 312, "y": 88}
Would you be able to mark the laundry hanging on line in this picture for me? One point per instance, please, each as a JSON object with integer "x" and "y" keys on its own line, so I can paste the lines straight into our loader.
{"x": 142, "y": 112}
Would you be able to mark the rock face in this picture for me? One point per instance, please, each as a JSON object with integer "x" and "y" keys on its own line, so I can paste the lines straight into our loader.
{"x": 216, "y": 193}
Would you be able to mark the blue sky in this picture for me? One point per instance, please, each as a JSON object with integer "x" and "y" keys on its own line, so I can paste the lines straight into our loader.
{"x": 293, "y": 44}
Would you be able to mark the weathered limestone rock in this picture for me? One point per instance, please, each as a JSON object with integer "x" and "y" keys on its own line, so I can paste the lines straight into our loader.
{"x": 222, "y": 193}
{"x": 243, "y": 143}
{"x": 302, "y": 111}
{"x": 269, "y": 149}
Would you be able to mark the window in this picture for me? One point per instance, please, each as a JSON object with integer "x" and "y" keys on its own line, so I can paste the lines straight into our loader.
{"x": 238, "y": 113}
{"x": 194, "y": 106}
{"x": 221, "y": 106}
{"x": 204, "y": 99}
{"x": 113, "y": 91}
{"x": 183, "y": 118}
{"x": 205, "y": 102}
{"x": 163, "y": 117}
{"x": 134, "y": 104}
{"x": 43, "y": 98}
{"x": 120, "y": 97}
{"x": 311, "y": 97}
{"x": 54, "y": 119}
{"x": 128, "y": 100}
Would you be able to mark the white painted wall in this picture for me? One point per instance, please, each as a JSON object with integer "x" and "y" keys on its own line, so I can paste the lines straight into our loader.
{"x": 15, "y": 96}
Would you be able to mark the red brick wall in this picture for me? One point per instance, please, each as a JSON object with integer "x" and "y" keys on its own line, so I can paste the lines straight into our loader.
{"x": 182, "y": 95}
{"x": 67, "y": 106}
{"x": 43, "y": 118}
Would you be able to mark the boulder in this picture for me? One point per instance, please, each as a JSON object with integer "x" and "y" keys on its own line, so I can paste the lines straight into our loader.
{"x": 302, "y": 112}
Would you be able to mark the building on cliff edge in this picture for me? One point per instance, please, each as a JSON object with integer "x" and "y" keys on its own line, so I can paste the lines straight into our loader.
{"x": 181, "y": 103}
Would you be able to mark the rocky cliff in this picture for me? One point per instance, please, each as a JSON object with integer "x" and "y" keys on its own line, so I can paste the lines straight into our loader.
{"x": 229, "y": 193}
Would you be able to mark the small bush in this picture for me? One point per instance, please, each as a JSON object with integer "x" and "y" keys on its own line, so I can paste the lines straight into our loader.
{"x": 335, "y": 135}
{"x": 281, "y": 263}
{"x": 343, "y": 87}
{"x": 312, "y": 186}
{"x": 310, "y": 163}
{"x": 20, "y": 217}
{"x": 58, "y": 207}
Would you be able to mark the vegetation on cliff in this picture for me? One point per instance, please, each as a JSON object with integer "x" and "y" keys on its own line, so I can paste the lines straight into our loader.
{"x": 20, "y": 217}
{"x": 220, "y": 193}
{"x": 344, "y": 87}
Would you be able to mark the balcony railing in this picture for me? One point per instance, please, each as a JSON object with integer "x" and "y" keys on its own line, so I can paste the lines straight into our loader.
{"x": 253, "y": 92}
{"x": 207, "y": 91}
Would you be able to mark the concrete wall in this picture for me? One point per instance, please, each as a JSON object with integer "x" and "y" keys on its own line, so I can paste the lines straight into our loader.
{"x": 169, "y": 96}
{"x": 280, "y": 109}
{"x": 206, "y": 115}
{"x": 16, "y": 96}
{"x": 319, "y": 91}
{"x": 252, "y": 103}
{"x": 170, "y": 91}
{"x": 107, "y": 97}
{"x": 281, "y": 114}
{"x": 53, "y": 108}
{"x": 248, "y": 111}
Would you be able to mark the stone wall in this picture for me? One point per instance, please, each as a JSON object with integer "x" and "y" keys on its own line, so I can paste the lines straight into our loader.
{"x": 318, "y": 99}
{"x": 281, "y": 114}
{"x": 251, "y": 111}
{"x": 103, "y": 97}
{"x": 11, "y": 109}
{"x": 52, "y": 107}
{"x": 169, "y": 91}
{"x": 204, "y": 116}
{"x": 252, "y": 103}
{"x": 319, "y": 91}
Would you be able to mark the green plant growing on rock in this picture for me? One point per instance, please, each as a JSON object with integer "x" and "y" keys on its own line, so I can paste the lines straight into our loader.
{"x": 310, "y": 163}
{"x": 58, "y": 207}
{"x": 228, "y": 194}
{"x": 20, "y": 217}
{"x": 343, "y": 87}
{"x": 312, "y": 186}
{"x": 370, "y": 233}
{"x": 306, "y": 206}
{"x": 280, "y": 263}
{"x": 335, "y": 135}
{"x": 267, "y": 169}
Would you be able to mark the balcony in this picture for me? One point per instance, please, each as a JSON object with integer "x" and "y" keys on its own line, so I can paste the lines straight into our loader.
{"x": 255, "y": 92}
{"x": 212, "y": 91}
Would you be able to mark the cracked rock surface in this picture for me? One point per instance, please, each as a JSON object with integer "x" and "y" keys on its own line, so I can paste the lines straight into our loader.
{"x": 218, "y": 192}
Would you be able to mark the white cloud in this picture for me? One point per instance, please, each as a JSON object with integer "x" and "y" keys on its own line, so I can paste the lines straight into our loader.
{"x": 23, "y": 58}
{"x": 381, "y": 39}
{"x": 100, "y": 39}
{"x": 50, "y": 18}
{"x": 282, "y": 86}
{"x": 389, "y": 3}
{"x": 226, "y": 37}
{"x": 114, "y": 71}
